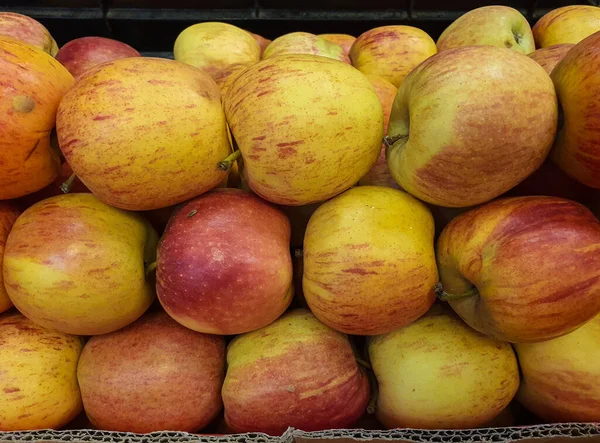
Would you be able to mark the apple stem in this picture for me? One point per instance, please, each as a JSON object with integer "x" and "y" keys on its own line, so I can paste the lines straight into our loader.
{"x": 150, "y": 268}
{"x": 445, "y": 296}
{"x": 225, "y": 164}
{"x": 389, "y": 141}
{"x": 66, "y": 186}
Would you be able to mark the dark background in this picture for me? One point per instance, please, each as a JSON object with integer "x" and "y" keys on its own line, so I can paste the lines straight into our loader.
{"x": 152, "y": 26}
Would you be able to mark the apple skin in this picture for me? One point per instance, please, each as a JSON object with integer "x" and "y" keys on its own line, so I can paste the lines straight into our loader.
{"x": 27, "y": 30}
{"x": 8, "y": 216}
{"x": 523, "y": 269}
{"x": 549, "y": 57}
{"x": 437, "y": 373}
{"x": 577, "y": 149}
{"x": 344, "y": 40}
{"x": 38, "y": 381}
{"x": 500, "y": 26}
{"x": 224, "y": 263}
{"x": 227, "y": 76}
{"x": 144, "y": 133}
{"x": 305, "y": 43}
{"x": 262, "y": 42}
{"x": 560, "y": 376}
{"x": 213, "y": 46}
{"x": 308, "y": 127}
{"x": 379, "y": 175}
{"x": 569, "y": 24}
{"x": 369, "y": 264}
{"x": 33, "y": 85}
{"x": 491, "y": 131}
{"x": 169, "y": 378}
{"x": 69, "y": 260}
{"x": 296, "y": 372}
{"x": 81, "y": 54}
{"x": 391, "y": 52}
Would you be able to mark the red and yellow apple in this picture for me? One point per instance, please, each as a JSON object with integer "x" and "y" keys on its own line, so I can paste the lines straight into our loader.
{"x": 76, "y": 265}
{"x": 27, "y": 30}
{"x": 500, "y": 26}
{"x": 344, "y": 40}
{"x": 369, "y": 264}
{"x": 379, "y": 175}
{"x": 561, "y": 377}
{"x": 569, "y": 24}
{"x": 168, "y": 379}
{"x": 391, "y": 52}
{"x": 144, "y": 133}
{"x": 522, "y": 269}
{"x": 438, "y": 373}
{"x": 470, "y": 123}
{"x": 224, "y": 264}
{"x": 550, "y": 56}
{"x": 213, "y": 46}
{"x": 296, "y": 372}
{"x": 38, "y": 379}
{"x": 307, "y": 127}
{"x": 8, "y": 215}
{"x": 227, "y": 76}
{"x": 577, "y": 146}
{"x": 81, "y": 54}
{"x": 32, "y": 85}
{"x": 305, "y": 43}
{"x": 262, "y": 42}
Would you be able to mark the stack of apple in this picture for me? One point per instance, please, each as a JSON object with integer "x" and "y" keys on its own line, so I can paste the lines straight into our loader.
{"x": 352, "y": 153}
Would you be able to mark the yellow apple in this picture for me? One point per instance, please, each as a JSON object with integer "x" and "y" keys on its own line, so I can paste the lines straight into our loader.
{"x": 8, "y": 215}
{"x": 74, "y": 264}
{"x": 213, "y": 46}
{"x": 577, "y": 146}
{"x": 470, "y": 123}
{"x": 369, "y": 264}
{"x": 561, "y": 377}
{"x": 27, "y": 30}
{"x": 391, "y": 52}
{"x": 438, "y": 373}
{"x": 549, "y": 57}
{"x": 569, "y": 24}
{"x": 305, "y": 43}
{"x": 308, "y": 127}
{"x": 262, "y": 42}
{"x": 38, "y": 376}
{"x": 144, "y": 133}
{"x": 225, "y": 78}
{"x": 499, "y": 26}
{"x": 344, "y": 40}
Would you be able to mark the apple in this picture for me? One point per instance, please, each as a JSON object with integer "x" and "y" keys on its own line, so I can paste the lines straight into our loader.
{"x": 369, "y": 264}
{"x": 81, "y": 54}
{"x": 482, "y": 119}
{"x": 549, "y": 57}
{"x": 213, "y": 46}
{"x": 438, "y": 373}
{"x": 8, "y": 215}
{"x": 144, "y": 133}
{"x": 38, "y": 380}
{"x": 307, "y": 127}
{"x": 33, "y": 83}
{"x": 227, "y": 76}
{"x": 561, "y": 376}
{"x": 70, "y": 260}
{"x": 569, "y": 24}
{"x": 27, "y": 30}
{"x": 576, "y": 149}
{"x": 224, "y": 264}
{"x": 522, "y": 269}
{"x": 500, "y": 26}
{"x": 169, "y": 379}
{"x": 391, "y": 51}
{"x": 262, "y": 42}
{"x": 379, "y": 175}
{"x": 305, "y": 43}
{"x": 296, "y": 372}
{"x": 344, "y": 40}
